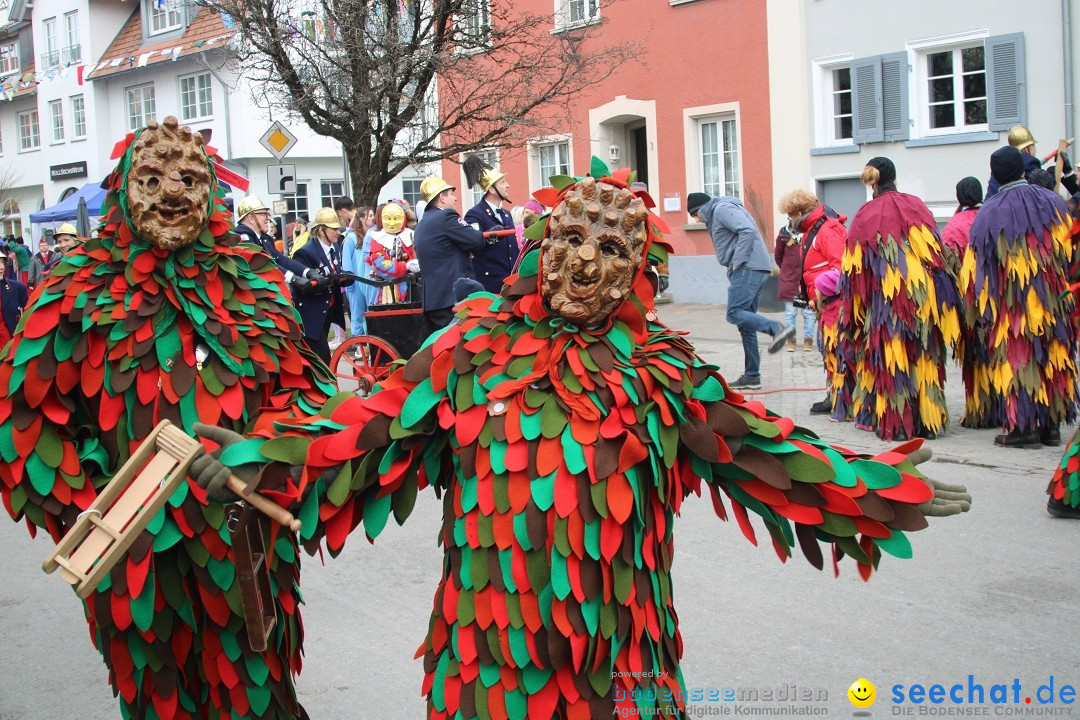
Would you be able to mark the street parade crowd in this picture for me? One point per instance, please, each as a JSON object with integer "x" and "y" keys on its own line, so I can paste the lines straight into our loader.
{"x": 559, "y": 420}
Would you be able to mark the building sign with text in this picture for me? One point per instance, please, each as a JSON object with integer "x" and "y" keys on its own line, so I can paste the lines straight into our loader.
{"x": 68, "y": 170}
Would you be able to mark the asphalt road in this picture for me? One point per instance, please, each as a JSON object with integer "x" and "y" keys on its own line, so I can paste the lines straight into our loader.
{"x": 993, "y": 594}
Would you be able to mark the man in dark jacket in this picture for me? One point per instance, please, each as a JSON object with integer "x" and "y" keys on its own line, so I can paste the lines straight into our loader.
{"x": 324, "y": 306}
{"x": 253, "y": 225}
{"x": 443, "y": 242}
{"x": 493, "y": 262}
{"x": 741, "y": 249}
{"x": 1022, "y": 139}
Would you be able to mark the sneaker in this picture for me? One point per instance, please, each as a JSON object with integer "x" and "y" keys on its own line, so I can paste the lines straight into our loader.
{"x": 822, "y": 407}
{"x": 745, "y": 383}
{"x": 808, "y": 345}
{"x": 780, "y": 339}
{"x": 791, "y": 345}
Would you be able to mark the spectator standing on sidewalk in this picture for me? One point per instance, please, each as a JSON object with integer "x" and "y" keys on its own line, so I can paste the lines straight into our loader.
{"x": 788, "y": 254}
{"x": 741, "y": 249}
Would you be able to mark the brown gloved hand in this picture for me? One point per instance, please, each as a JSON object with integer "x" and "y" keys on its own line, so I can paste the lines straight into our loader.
{"x": 948, "y": 499}
{"x": 209, "y": 472}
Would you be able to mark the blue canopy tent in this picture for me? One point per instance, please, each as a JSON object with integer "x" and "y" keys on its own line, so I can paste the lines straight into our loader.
{"x": 68, "y": 208}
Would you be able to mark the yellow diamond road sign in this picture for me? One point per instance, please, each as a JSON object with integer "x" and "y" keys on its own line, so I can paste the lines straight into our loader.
{"x": 278, "y": 140}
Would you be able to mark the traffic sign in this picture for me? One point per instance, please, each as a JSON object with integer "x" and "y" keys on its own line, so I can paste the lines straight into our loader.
{"x": 281, "y": 179}
{"x": 280, "y": 207}
{"x": 278, "y": 140}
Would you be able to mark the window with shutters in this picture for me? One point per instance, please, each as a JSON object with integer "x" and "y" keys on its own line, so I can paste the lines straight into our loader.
{"x": 833, "y": 111}
{"x": 951, "y": 94}
{"x": 549, "y": 156}
{"x": 957, "y": 87}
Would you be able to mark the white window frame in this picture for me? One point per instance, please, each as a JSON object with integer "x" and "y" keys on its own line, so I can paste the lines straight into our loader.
{"x": 52, "y": 49}
{"x": 332, "y": 196}
{"x": 474, "y": 23}
{"x": 78, "y": 117}
{"x": 491, "y": 157}
{"x": 30, "y": 140}
{"x": 824, "y": 99}
{"x": 570, "y": 14}
{"x": 413, "y": 198}
{"x": 538, "y": 177}
{"x": 10, "y": 62}
{"x": 918, "y": 90}
{"x": 292, "y": 201}
{"x": 56, "y": 121}
{"x": 197, "y": 91}
{"x": 143, "y": 115}
{"x": 693, "y": 120}
{"x": 71, "y": 33}
{"x": 164, "y": 19}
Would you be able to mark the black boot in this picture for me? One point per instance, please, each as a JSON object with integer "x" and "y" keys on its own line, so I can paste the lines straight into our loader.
{"x": 1061, "y": 510}
{"x": 1050, "y": 435}
{"x": 1018, "y": 439}
{"x": 822, "y": 407}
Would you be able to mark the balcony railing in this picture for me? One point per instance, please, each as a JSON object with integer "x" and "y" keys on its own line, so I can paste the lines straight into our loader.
{"x": 50, "y": 59}
{"x": 71, "y": 54}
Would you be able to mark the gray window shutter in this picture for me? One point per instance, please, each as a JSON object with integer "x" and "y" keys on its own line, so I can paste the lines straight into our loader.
{"x": 894, "y": 96}
{"x": 1005, "y": 83}
{"x": 866, "y": 100}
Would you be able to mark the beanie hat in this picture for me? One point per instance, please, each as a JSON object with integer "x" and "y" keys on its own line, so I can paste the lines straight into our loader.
{"x": 1007, "y": 164}
{"x": 969, "y": 192}
{"x": 886, "y": 169}
{"x": 695, "y": 200}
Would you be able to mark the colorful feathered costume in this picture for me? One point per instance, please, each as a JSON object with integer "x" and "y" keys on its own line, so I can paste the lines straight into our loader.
{"x": 1021, "y": 357}
{"x": 900, "y": 314}
{"x": 121, "y": 335}
{"x": 564, "y": 452}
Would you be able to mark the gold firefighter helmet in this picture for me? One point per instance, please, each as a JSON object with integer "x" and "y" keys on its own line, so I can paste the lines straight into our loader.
{"x": 478, "y": 172}
{"x": 66, "y": 229}
{"x": 1020, "y": 137}
{"x": 249, "y": 205}
{"x": 432, "y": 186}
{"x": 325, "y": 217}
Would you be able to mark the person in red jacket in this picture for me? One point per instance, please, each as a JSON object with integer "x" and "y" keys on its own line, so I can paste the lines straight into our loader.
{"x": 822, "y": 238}
{"x": 954, "y": 238}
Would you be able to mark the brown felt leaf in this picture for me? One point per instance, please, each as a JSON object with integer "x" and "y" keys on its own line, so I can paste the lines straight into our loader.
{"x": 375, "y": 433}
{"x": 806, "y": 494}
{"x": 606, "y": 459}
{"x": 763, "y": 466}
{"x": 725, "y": 421}
{"x": 418, "y": 368}
{"x": 699, "y": 439}
{"x": 908, "y": 518}
{"x": 811, "y": 549}
{"x": 875, "y": 507}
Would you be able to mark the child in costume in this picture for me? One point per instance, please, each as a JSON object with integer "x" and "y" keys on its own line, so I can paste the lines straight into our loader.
{"x": 391, "y": 251}
{"x": 565, "y": 425}
{"x": 166, "y": 314}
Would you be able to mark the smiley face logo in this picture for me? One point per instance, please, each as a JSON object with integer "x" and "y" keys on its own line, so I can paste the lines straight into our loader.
{"x": 862, "y": 693}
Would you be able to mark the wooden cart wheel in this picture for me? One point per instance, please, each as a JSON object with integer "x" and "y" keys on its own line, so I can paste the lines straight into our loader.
{"x": 364, "y": 360}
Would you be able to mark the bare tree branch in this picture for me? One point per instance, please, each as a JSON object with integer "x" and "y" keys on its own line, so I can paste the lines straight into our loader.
{"x": 412, "y": 82}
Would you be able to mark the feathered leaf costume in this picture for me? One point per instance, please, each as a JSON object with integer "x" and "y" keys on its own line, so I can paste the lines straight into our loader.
{"x": 563, "y": 454}
{"x": 900, "y": 314}
{"x": 122, "y": 335}
{"x": 1022, "y": 370}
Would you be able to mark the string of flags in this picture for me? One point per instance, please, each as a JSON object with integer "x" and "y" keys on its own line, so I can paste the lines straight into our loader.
{"x": 83, "y": 71}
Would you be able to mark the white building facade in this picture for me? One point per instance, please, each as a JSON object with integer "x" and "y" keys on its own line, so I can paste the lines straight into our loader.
{"x": 935, "y": 88}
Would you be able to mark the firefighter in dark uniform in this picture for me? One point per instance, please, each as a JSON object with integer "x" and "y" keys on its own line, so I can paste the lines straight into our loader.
{"x": 493, "y": 262}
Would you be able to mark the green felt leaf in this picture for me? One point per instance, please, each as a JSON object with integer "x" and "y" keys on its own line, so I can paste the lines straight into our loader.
{"x": 41, "y": 476}
{"x": 553, "y": 418}
{"x": 537, "y": 568}
{"x": 624, "y": 578}
{"x": 309, "y": 516}
{"x": 531, "y": 425}
{"x": 837, "y": 525}
{"x": 49, "y": 447}
{"x": 535, "y": 232}
{"x": 517, "y": 705}
{"x": 376, "y": 512}
{"x": 806, "y": 468}
{"x": 559, "y": 182}
{"x": 519, "y": 650}
{"x": 598, "y": 168}
{"x": 284, "y": 549}
{"x": 898, "y": 545}
{"x": 212, "y": 382}
{"x": 404, "y": 498}
{"x": 222, "y": 571}
{"x": 521, "y": 533}
{"x": 259, "y": 697}
{"x": 543, "y": 491}
{"x": 142, "y": 607}
{"x": 876, "y": 475}
{"x": 290, "y": 450}
{"x": 560, "y": 583}
{"x": 710, "y": 390}
{"x": 339, "y": 489}
{"x": 168, "y": 536}
{"x": 419, "y": 402}
{"x": 243, "y": 452}
{"x": 490, "y": 676}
